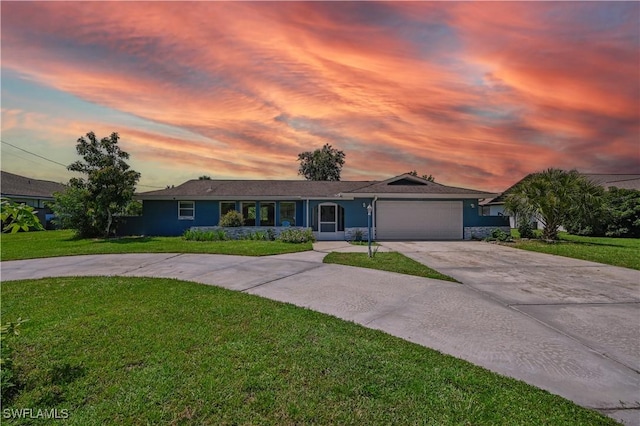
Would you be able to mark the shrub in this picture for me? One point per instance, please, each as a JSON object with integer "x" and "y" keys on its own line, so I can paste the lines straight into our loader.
{"x": 525, "y": 229}
{"x": 198, "y": 235}
{"x": 358, "y": 234}
{"x": 499, "y": 235}
{"x": 232, "y": 219}
{"x": 296, "y": 236}
{"x": 18, "y": 217}
{"x": 7, "y": 375}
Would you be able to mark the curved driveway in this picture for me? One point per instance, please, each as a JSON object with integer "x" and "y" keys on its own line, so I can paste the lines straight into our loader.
{"x": 567, "y": 326}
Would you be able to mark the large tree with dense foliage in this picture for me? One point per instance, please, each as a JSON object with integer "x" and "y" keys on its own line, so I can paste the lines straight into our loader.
{"x": 554, "y": 197}
{"x": 619, "y": 216}
{"x": 92, "y": 202}
{"x": 322, "y": 164}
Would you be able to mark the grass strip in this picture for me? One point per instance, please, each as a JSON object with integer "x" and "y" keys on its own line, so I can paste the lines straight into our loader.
{"x": 386, "y": 261}
{"x": 610, "y": 251}
{"x": 31, "y": 245}
{"x": 124, "y": 350}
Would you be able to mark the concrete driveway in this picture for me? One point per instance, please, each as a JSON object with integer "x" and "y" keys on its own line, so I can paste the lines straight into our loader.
{"x": 596, "y": 306}
{"x": 519, "y": 340}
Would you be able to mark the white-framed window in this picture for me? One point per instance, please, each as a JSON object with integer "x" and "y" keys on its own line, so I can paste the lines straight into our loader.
{"x": 226, "y": 207}
{"x": 287, "y": 213}
{"x": 186, "y": 210}
{"x": 267, "y": 213}
{"x": 249, "y": 213}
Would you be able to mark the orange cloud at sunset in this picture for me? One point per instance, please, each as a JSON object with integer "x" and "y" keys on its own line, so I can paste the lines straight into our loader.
{"x": 475, "y": 93}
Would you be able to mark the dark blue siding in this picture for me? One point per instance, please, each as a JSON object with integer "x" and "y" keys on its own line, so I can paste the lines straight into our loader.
{"x": 161, "y": 217}
{"x": 471, "y": 216}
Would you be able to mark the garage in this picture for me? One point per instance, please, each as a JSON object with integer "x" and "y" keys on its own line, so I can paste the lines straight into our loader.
{"x": 419, "y": 220}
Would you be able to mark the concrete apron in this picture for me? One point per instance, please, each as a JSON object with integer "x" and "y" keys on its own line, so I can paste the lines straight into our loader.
{"x": 455, "y": 319}
{"x": 594, "y": 305}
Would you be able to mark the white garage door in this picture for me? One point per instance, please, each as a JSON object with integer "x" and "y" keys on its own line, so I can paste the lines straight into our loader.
{"x": 419, "y": 220}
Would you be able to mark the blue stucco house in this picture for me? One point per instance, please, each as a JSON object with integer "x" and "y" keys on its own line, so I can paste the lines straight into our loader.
{"x": 404, "y": 207}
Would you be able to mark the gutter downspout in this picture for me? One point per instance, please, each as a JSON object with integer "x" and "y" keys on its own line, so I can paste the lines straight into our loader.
{"x": 306, "y": 217}
{"x": 373, "y": 218}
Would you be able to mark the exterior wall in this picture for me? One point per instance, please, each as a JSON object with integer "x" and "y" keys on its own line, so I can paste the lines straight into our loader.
{"x": 160, "y": 217}
{"x": 354, "y": 214}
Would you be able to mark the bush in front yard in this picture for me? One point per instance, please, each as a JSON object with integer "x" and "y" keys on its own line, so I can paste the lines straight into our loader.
{"x": 232, "y": 219}
{"x": 197, "y": 235}
{"x": 297, "y": 236}
{"x": 526, "y": 230}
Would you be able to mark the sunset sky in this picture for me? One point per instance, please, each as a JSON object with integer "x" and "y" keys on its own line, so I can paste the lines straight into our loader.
{"x": 478, "y": 94}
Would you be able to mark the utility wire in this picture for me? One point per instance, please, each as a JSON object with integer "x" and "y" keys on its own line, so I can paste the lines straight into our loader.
{"x": 32, "y": 153}
{"x": 60, "y": 164}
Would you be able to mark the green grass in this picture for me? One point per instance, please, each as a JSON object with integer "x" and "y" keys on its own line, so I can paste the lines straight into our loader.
{"x": 31, "y": 245}
{"x": 623, "y": 252}
{"x": 114, "y": 350}
{"x": 386, "y": 261}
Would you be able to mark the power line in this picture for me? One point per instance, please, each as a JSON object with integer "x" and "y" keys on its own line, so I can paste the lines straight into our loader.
{"x": 34, "y": 154}
{"x": 60, "y": 164}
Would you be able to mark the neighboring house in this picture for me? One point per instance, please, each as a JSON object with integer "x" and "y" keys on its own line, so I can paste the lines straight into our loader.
{"x": 403, "y": 208}
{"x": 32, "y": 192}
{"x": 495, "y": 206}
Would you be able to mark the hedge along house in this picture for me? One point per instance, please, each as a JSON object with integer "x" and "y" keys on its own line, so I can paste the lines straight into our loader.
{"x": 403, "y": 208}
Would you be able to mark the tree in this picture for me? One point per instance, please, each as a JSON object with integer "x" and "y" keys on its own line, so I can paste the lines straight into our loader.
{"x": 91, "y": 203}
{"x": 204, "y": 177}
{"x": 430, "y": 178}
{"x": 554, "y": 197}
{"x": 321, "y": 164}
{"x": 17, "y": 217}
{"x": 619, "y": 216}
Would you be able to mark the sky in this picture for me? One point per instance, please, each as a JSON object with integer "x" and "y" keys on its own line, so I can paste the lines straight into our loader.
{"x": 477, "y": 94}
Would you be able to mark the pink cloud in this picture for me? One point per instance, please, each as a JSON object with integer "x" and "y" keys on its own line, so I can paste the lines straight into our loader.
{"x": 477, "y": 94}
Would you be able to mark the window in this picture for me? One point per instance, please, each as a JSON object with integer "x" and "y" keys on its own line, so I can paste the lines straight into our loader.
{"x": 267, "y": 213}
{"x": 186, "y": 210}
{"x": 288, "y": 213}
{"x": 226, "y": 207}
{"x": 249, "y": 213}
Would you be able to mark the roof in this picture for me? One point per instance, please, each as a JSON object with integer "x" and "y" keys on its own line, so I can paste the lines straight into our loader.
{"x": 12, "y": 185}
{"x": 403, "y": 185}
{"x": 624, "y": 181}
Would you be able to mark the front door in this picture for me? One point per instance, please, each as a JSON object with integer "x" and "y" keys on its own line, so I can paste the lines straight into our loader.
{"x": 330, "y": 222}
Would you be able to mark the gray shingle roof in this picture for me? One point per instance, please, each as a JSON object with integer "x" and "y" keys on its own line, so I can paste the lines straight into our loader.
{"x": 12, "y": 185}
{"x": 219, "y": 189}
{"x": 625, "y": 181}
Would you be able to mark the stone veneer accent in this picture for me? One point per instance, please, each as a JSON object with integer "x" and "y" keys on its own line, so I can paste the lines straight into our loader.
{"x": 235, "y": 232}
{"x": 480, "y": 232}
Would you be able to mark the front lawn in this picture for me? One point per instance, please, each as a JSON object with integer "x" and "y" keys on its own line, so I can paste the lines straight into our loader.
{"x": 386, "y": 261}
{"x": 114, "y": 350}
{"x": 611, "y": 251}
{"x": 31, "y": 245}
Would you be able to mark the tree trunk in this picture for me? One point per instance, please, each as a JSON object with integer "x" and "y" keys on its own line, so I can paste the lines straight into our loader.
{"x": 109, "y": 221}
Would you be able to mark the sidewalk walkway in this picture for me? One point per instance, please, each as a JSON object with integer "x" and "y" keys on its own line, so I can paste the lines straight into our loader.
{"x": 345, "y": 247}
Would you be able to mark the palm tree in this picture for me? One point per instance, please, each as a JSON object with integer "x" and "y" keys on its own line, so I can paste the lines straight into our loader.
{"x": 552, "y": 197}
